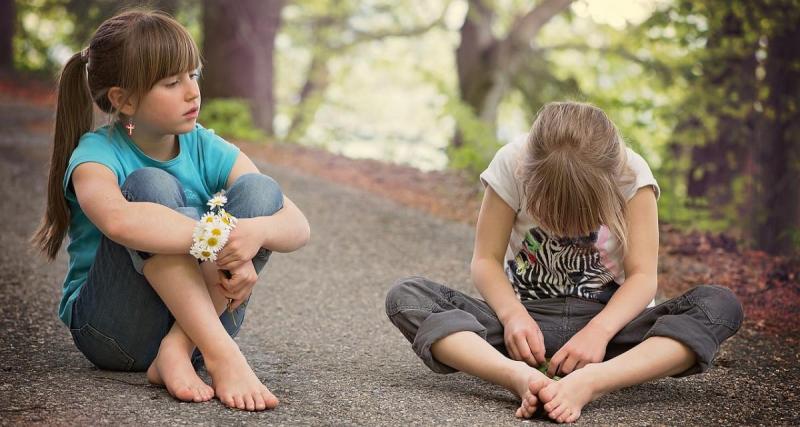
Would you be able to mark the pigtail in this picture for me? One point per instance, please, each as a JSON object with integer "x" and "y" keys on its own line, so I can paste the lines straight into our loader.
{"x": 74, "y": 116}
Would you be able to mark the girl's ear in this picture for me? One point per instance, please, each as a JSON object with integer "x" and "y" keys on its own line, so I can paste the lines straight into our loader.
{"x": 117, "y": 96}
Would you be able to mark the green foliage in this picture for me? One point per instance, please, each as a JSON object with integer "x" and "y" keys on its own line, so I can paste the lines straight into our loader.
{"x": 793, "y": 234}
{"x": 479, "y": 143}
{"x": 48, "y": 30}
{"x": 478, "y": 140}
{"x": 40, "y": 33}
{"x": 231, "y": 118}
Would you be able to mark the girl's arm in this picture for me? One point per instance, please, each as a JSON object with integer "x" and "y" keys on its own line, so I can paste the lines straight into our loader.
{"x": 522, "y": 336}
{"x": 143, "y": 226}
{"x": 285, "y": 231}
{"x": 640, "y": 263}
{"x": 639, "y": 288}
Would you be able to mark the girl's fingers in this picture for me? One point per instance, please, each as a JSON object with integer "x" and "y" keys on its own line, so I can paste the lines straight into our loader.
{"x": 223, "y": 279}
{"x": 569, "y": 365}
{"x": 512, "y": 349}
{"x": 536, "y": 348}
{"x": 522, "y": 348}
{"x": 557, "y": 359}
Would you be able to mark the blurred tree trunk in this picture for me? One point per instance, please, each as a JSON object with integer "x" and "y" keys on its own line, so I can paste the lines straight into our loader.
{"x": 238, "y": 49}
{"x": 311, "y": 95}
{"x": 8, "y": 20}
{"x": 486, "y": 64}
{"x": 777, "y": 199}
{"x": 747, "y": 164}
{"x": 717, "y": 162}
{"x": 331, "y": 35}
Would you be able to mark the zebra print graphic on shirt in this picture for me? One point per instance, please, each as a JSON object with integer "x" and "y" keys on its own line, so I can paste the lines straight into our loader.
{"x": 548, "y": 267}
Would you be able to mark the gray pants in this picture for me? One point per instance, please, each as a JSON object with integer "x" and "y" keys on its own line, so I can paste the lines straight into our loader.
{"x": 426, "y": 312}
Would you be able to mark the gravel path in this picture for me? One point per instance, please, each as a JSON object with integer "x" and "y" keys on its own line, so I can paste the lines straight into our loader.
{"x": 316, "y": 333}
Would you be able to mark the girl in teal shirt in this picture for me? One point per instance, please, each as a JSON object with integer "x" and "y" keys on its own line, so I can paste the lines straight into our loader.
{"x": 130, "y": 195}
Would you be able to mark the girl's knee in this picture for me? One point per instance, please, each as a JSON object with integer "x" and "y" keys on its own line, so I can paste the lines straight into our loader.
{"x": 256, "y": 195}
{"x": 409, "y": 292}
{"x": 153, "y": 185}
{"x": 720, "y": 304}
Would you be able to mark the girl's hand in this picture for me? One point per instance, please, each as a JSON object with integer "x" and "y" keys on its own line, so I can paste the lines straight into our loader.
{"x": 524, "y": 339}
{"x": 240, "y": 285}
{"x": 243, "y": 244}
{"x": 587, "y": 346}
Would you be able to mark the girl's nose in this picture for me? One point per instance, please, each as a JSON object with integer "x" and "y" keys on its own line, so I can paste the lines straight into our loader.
{"x": 193, "y": 92}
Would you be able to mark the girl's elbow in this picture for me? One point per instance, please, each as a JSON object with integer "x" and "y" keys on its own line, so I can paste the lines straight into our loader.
{"x": 304, "y": 236}
{"x": 116, "y": 228}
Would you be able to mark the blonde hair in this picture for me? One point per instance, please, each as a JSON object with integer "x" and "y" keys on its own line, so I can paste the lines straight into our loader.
{"x": 571, "y": 171}
{"x": 132, "y": 50}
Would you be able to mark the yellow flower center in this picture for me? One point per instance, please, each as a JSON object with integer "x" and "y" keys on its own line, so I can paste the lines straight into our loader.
{"x": 206, "y": 254}
{"x": 216, "y": 231}
{"x": 212, "y": 241}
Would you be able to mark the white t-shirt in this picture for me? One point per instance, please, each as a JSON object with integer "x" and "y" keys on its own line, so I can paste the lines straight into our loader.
{"x": 540, "y": 266}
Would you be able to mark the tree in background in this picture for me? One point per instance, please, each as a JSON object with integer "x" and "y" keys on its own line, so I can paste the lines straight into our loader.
{"x": 239, "y": 50}
{"x": 331, "y": 29}
{"x": 8, "y": 18}
{"x": 488, "y": 63}
{"x": 738, "y": 125}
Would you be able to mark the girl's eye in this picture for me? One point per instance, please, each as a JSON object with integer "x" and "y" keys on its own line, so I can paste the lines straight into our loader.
{"x": 172, "y": 83}
{"x": 194, "y": 76}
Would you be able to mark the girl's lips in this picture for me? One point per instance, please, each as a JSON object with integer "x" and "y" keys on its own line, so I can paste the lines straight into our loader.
{"x": 192, "y": 113}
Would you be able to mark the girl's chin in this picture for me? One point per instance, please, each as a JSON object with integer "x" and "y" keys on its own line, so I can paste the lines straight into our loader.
{"x": 187, "y": 126}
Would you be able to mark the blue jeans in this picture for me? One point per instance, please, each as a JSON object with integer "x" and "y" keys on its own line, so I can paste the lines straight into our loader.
{"x": 118, "y": 320}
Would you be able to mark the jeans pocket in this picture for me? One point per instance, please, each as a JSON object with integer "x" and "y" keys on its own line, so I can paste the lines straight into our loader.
{"x": 101, "y": 350}
{"x": 719, "y": 304}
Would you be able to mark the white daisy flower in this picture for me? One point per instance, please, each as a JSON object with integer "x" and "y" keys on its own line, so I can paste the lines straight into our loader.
{"x": 207, "y": 218}
{"x": 207, "y": 255}
{"x": 203, "y": 253}
{"x": 218, "y": 200}
{"x": 228, "y": 219}
{"x": 217, "y": 230}
{"x": 215, "y": 243}
{"x": 199, "y": 231}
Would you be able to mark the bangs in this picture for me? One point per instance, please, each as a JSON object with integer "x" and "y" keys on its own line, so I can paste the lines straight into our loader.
{"x": 159, "y": 47}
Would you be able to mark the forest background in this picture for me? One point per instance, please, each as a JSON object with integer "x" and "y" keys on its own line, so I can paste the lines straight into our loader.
{"x": 707, "y": 91}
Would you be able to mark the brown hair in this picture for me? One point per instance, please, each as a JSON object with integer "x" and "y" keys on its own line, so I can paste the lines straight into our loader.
{"x": 132, "y": 50}
{"x": 574, "y": 162}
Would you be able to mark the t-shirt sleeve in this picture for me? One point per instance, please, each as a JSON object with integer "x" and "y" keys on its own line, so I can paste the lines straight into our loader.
{"x": 642, "y": 176}
{"x": 501, "y": 174}
{"x": 92, "y": 148}
{"x": 219, "y": 156}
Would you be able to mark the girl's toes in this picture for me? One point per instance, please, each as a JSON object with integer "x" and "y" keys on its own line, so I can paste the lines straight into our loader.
{"x": 249, "y": 403}
{"x": 557, "y": 412}
{"x": 239, "y": 402}
{"x": 260, "y": 404}
{"x": 269, "y": 399}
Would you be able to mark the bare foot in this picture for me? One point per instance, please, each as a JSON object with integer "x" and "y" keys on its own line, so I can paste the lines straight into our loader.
{"x": 526, "y": 383}
{"x": 173, "y": 368}
{"x": 236, "y": 385}
{"x": 564, "y": 399}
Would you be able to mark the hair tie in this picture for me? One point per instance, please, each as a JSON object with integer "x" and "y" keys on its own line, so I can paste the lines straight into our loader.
{"x": 85, "y": 55}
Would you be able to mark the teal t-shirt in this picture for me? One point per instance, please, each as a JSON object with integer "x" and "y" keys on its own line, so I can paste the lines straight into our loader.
{"x": 202, "y": 166}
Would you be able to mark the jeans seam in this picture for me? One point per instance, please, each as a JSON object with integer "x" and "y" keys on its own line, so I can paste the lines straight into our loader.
{"x": 398, "y": 308}
{"x": 713, "y": 319}
{"x": 109, "y": 340}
